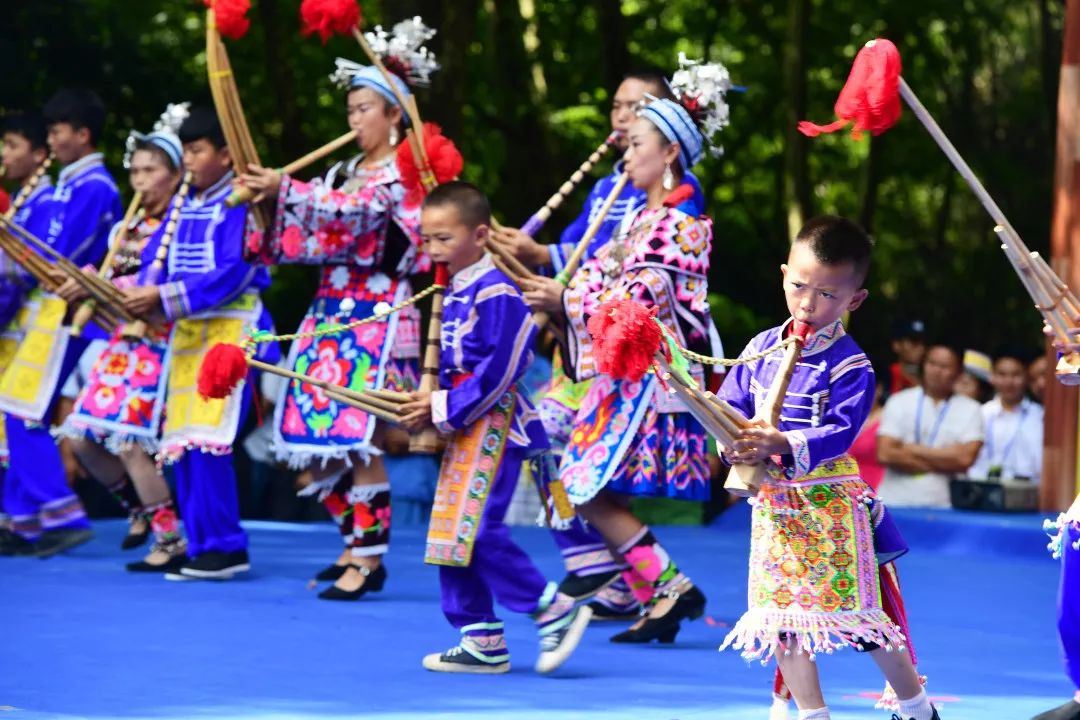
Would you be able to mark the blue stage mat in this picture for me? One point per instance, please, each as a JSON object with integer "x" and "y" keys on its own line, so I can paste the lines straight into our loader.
{"x": 83, "y": 639}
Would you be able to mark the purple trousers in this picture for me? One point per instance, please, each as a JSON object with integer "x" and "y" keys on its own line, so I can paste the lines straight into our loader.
{"x": 206, "y": 494}
{"x": 1069, "y": 603}
{"x": 36, "y": 493}
{"x": 500, "y": 570}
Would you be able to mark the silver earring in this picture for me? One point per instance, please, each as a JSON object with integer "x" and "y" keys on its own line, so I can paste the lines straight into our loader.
{"x": 669, "y": 178}
{"x": 395, "y": 137}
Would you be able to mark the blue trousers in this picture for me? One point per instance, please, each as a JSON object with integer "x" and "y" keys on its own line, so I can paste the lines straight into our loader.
{"x": 499, "y": 569}
{"x": 36, "y": 493}
{"x": 1069, "y": 604}
{"x": 207, "y": 496}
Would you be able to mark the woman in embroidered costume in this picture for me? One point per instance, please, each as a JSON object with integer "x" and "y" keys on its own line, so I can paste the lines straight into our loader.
{"x": 814, "y": 584}
{"x": 628, "y": 439}
{"x": 357, "y": 224}
{"x": 121, "y": 457}
{"x": 589, "y": 563}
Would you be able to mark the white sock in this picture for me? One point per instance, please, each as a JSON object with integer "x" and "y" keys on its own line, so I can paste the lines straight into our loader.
{"x": 779, "y": 709}
{"x": 917, "y": 708}
{"x": 822, "y": 713}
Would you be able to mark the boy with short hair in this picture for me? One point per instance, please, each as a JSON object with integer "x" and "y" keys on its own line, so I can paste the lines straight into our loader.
{"x": 210, "y": 293}
{"x": 487, "y": 336}
{"x": 813, "y": 574}
{"x": 24, "y": 149}
{"x": 75, "y": 220}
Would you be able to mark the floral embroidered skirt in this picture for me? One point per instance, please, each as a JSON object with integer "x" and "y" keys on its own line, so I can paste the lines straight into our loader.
{"x": 621, "y": 442}
{"x": 813, "y": 570}
{"x": 310, "y": 426}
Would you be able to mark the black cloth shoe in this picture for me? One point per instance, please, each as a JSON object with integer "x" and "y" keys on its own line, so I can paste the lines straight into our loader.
{"x": 1068, "y": 711}
{"x": 331, "y": 573}
{"x": 216, "y": 565}
{"x": 172, "y": 565}
{"x": 136, "y": 539}
{"x": 375, "y": 579}
{"x": 458, "y": 660}
{"x": 583, "y": 587}
{"x": 52, "y": 542}
{"x": 12, "y": 544}
{"x": 689, "y": 605}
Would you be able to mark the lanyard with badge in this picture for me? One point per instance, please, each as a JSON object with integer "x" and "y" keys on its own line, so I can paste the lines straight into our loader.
{"x": 937, "y": 423}
{"x": 997, "y": 469}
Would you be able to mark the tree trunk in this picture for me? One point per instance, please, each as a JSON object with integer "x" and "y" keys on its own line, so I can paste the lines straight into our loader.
{"x": 796, "y": 196}
{"x": 293, "y": 143}
{"x": 612, "y": 29}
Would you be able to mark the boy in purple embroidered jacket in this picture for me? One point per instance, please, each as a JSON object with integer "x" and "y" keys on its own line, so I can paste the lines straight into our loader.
{"x": 356, "y": 223}
{"x": 589, "y": 564}
{"x": 115, "y": 423}
{"x": 628, "y": 439}
{"x": 822, "y": 591}
{"x": 23, "y": 154}
{"x": 487, "y": 336}
{"x": 198, "y": 280}
{"x": 46, "y": 515}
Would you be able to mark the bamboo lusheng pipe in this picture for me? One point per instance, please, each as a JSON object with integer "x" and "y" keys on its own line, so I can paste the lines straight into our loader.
{"x": 541, "y": 216}
{"x": 427, "y": 441}
{"x": 383, "y": 404}
{"x": 230, "y": 111}
{"x": 100, "y": 290}
{"x": 38, "y": 267}
{"x": 512, "y": 265}
{"x": 582, "y": 247}
{"x": 242, "y": 195}
{"x": 744, "y": 480}
{"x": 541, "y": 317}
{"x": 85, "y": 311}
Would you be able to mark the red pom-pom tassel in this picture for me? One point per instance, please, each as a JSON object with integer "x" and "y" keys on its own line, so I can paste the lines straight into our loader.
{"x": 871, "y": 95}
{"x": 329, "y": 17}
{"x": 222, "y": 369}
{"x": 626, "y": 339}
{"x": 444, "y": 157}
{"x": 230, "y": 16}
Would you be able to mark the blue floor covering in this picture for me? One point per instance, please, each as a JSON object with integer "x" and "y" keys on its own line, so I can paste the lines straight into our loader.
{"x": 80, "y": 638}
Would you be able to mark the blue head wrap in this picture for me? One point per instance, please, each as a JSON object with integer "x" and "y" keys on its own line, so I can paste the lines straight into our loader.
{"x": 369, "y": 76}
{"x": 675, "y": 123}
{"x": 166, "y": 141}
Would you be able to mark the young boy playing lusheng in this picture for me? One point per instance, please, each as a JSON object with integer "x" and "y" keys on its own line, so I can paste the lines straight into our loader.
{"x": 47, "y": 517}
{"x": 813, "y": 583}
{"x": 487, "y": 336}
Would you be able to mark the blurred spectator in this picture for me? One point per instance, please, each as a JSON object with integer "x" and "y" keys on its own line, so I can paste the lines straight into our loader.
{"x": 1012, "y": 425}
{"x": 928, "y": 434}
{"x": 1037, "y": 372}
{"x": 974, "y": 382}
{"x": 909, "y": 346}
{"x": 864, "y": 449}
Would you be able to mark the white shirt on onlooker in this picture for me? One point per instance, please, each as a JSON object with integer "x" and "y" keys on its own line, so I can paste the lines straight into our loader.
{"x": 912, "y": 417}
{"x": 1013, "y": 441}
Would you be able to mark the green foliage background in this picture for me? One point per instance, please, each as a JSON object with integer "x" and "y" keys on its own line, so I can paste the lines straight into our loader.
{"x": 524, "y": 89}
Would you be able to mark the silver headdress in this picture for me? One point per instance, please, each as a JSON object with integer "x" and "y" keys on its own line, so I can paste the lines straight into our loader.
{"x": 404, "y": 46}
{"x": 701, "y": 87}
